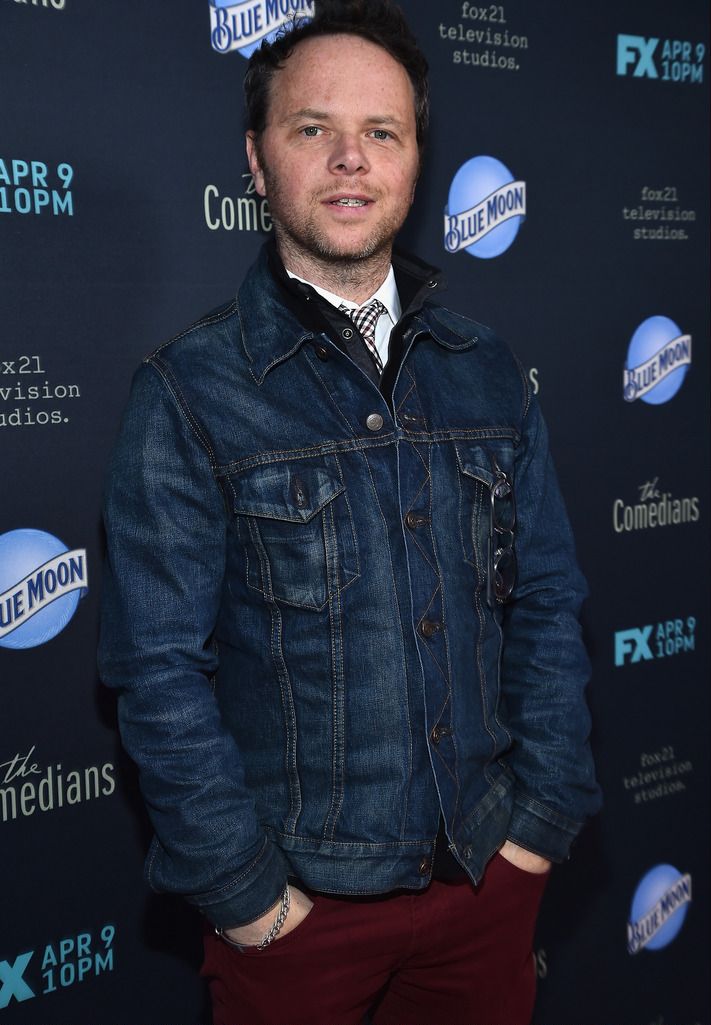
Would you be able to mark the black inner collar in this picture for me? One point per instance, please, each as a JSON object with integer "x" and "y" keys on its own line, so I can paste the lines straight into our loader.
{"x": 416, "y": 281}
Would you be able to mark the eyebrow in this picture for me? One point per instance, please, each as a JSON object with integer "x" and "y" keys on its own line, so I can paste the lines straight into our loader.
{"x": 311, "y": 114}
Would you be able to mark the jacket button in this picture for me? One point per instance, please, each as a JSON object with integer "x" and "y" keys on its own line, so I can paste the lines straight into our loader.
{"x": 374, "y": 422}
{"x": 428, "y": 628}
{"x": 467, "y": 853}
{"x": 300, "y": 496}
{"x": 425, "y": 867}
{"x": 432, "y": 283}
{"x": 413, "y": 520}
{"x": 347, "y": 333}
{"x": 322, "y": 352}
{"x": 438, "y": 732}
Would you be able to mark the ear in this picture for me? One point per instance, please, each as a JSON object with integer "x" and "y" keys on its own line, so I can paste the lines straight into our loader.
{"x": 255, "y": 165}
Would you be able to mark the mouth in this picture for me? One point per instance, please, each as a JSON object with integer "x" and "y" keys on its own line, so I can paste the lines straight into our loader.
{"x": 352, "y": 202}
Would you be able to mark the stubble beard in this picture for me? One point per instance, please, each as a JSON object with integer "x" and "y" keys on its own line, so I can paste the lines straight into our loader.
{"x": 303, "y": 244}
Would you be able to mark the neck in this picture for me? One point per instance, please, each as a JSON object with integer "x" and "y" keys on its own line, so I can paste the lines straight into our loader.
{"x": 353, "y": 279}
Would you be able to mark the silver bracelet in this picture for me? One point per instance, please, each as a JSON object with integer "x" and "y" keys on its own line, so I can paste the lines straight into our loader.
{"x": 279, "y": 921}
{"x": 273, "y": 932}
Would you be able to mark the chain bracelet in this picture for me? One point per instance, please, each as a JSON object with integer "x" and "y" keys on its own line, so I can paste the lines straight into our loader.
{"x": 284, "y": 903}
{"x": 280, "y": 919}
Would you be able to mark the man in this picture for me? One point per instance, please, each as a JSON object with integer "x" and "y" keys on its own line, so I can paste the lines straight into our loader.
{"x": 341, "y": 591}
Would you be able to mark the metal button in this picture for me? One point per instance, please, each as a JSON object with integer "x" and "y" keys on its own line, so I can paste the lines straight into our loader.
{"x": 425, "y": 867}
{"x": 347, "y": 333}
{"x": 413, "y": 520}
{"x": 374, "y": 422}
{"x": 428, "y": 628}
{"x": 322, "y": 352}
{"x": 467, "y": 853}
{"x": 438, "y": 732}
{"x": 432, "y": 283}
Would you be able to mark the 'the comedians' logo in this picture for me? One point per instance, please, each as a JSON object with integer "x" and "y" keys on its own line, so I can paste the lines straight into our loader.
{"x": 242, "y": 24}
{"x": 485, "y": 209}
{"x": 658, "y": 358}
{"x": 41, "y": 582}
{"x": 658, "y": 909}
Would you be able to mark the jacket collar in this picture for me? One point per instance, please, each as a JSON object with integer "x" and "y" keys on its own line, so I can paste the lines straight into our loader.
{"x": 277, "y": 317}
{"x": 272, "y": 330}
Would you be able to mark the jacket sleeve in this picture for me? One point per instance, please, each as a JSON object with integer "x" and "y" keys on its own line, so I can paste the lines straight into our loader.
{"x": 544, "y": 664}
{"x": 166, "y": 528}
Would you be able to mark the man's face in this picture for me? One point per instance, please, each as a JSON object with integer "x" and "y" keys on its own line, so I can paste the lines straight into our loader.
{"x": 338, "y": 159}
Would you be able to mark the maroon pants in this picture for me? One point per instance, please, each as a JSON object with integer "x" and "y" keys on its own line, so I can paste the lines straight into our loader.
{"x": 451, "y": 955}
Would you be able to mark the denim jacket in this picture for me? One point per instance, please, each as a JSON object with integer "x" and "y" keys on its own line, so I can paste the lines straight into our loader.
{"x": 298, "y": 616}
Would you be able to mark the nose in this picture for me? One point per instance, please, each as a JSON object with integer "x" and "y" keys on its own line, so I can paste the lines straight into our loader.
{"x": 348, "y": 155}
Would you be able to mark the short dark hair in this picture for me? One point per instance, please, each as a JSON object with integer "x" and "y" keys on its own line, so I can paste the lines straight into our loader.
{"x": 378, "y": 21}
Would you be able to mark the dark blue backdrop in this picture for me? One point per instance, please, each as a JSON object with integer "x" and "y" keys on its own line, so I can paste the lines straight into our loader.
{"x": 126, "y": 212}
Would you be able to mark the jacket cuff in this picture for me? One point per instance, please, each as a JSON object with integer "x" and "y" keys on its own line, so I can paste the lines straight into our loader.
{"x": 248, "y": 896}
{"x": 541, "y": 830}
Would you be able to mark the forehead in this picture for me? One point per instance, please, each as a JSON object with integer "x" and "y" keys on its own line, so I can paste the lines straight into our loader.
{"x": 341, "y": 72}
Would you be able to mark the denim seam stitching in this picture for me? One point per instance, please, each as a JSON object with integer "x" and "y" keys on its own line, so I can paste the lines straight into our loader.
{"x": 312, "y": 362}
{"x": 400, "y": 621}
{"x": 526, "y": 396}
{"x": 206, "y": 321}
{"x": 263, "y": 566}
{"x": 462, "y": 517}
{"x": 298, "y": 605}
{"x": 253, "y": 528}
{"x": 435, "y": 307}
{"x": 281, "y": 358}
{"x": 413, "y": 389}
{"x": 259, "y": 379}
{"x": 385, "y": 846}
{"x": 482, "y": 676}
{"x": 230, "y": 887}
{"x": 449, "y": 699}
{"x": 287, "y": 699}
{"x": 356, "y": 546}
{"x": 173, "y": 388}
{"x": 415, "y": 539}
{"x": 277, "y": 656}
{"x": 332, "y": 447}
{"x": 545, "y": 813}
{"x": 338, "y": 687}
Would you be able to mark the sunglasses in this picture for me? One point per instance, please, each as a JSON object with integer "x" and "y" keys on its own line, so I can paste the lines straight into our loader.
{"x": 502, "y": 557}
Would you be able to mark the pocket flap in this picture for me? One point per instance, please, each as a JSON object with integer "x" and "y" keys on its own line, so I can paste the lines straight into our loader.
{"x": 481, "y": 461}
{"x": 293, "y": 491}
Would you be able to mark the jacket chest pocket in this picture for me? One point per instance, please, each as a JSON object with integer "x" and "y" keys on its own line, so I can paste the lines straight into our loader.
{"x": 296, "y": 526}
{"x": 480, "y": 465}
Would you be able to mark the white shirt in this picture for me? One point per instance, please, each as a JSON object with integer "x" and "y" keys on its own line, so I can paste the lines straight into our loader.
{"x": 388, "y": 296}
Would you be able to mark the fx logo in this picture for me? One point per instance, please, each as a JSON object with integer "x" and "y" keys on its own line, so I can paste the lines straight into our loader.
{"x": 638, "y": 52}
{"x": 634, "y": 642}
{"x": 11, "y": 977}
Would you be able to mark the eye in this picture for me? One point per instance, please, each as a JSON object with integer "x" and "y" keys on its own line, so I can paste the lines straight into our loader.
{"x": 310, "y": 131}
{"x": 381, "y": 134}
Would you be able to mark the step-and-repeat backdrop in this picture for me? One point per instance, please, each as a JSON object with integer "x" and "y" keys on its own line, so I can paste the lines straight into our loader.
{"x": 565, "y": 196}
